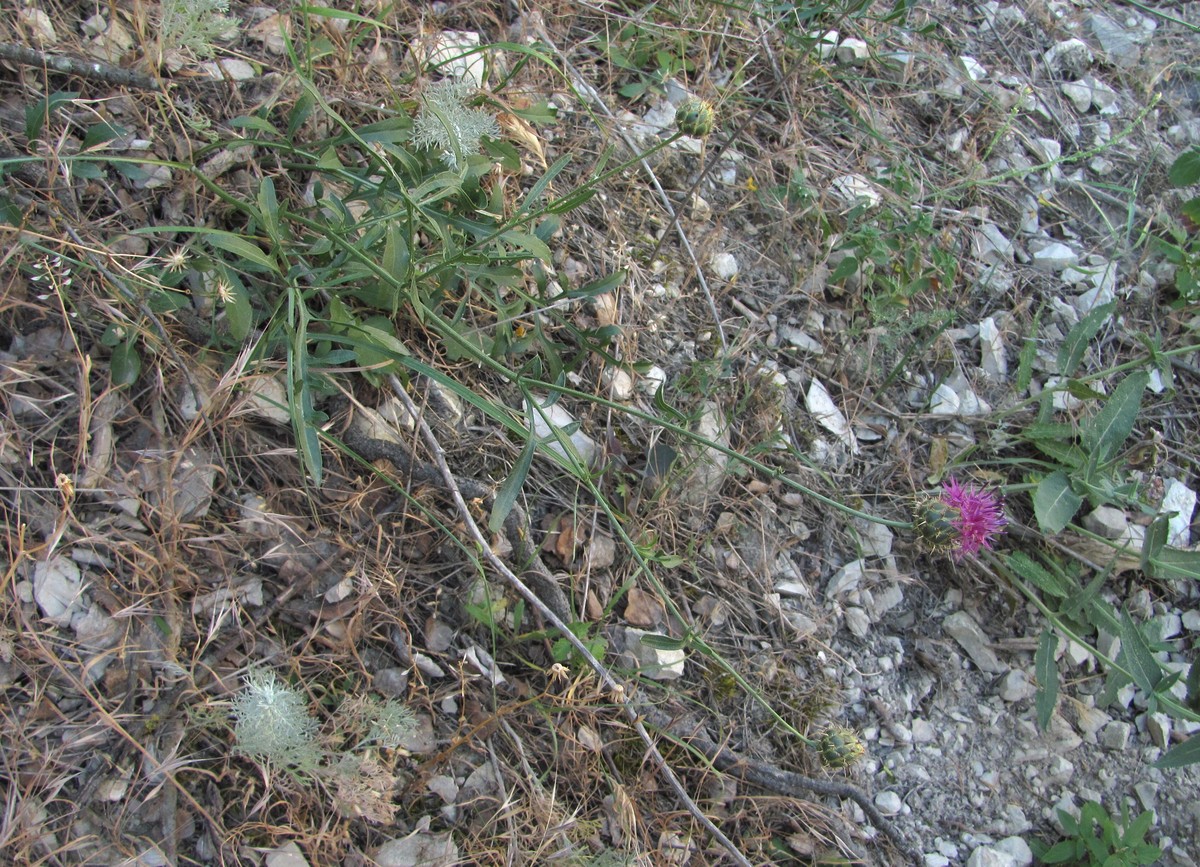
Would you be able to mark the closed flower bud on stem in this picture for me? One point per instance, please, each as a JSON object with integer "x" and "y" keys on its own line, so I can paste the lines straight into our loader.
{"x": 839, "y": 747}
{"x": 695, "y": 117}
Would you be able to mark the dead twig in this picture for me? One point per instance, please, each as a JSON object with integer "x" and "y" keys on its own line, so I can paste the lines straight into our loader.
{"x": 767, "y": 776}
{"x": 90, "y": 69}
{"x": 617, "y": 690}
{"x": 778, "y": 780}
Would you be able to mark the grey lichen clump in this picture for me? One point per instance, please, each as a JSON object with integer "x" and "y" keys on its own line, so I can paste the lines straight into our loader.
{"x": 447, "y": 125}
{"x": 272, "y": 725}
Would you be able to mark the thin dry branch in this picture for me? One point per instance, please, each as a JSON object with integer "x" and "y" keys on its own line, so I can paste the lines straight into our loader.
{"x": 616, "y": 689}
{"x": 93, "y": 70}
{"x": 774, "y": 779}
{"x": 778, "y": 780}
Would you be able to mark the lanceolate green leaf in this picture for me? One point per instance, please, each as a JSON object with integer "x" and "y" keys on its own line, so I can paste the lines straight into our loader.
{"x": 1047, "y": 677}
{"x": 536, "y": 191}
{"x": 663, "y": 642}
{"x": 1047, "y": 582}
{"x": 1138, "y": 656}
{"x": 268, "y": 210}
{"x": 1078, "y": 338}
{"x": 240, "y": 247}
{"x": 1187, "y": 753}
{"x": 1108, "y": 430}
{"x": 1155, "y": 541}
{"x": 1175, "y": 563}
{"x": 506, "y": 497}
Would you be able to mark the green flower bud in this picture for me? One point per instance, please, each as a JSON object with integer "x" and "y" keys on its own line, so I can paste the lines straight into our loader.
{"x": 695, "y": 117}
{"x": 934, "y": 523}
{"x": 839, "y": 747}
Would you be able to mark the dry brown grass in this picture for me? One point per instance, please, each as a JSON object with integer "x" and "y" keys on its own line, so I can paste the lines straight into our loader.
{"x": 115, "y": 738}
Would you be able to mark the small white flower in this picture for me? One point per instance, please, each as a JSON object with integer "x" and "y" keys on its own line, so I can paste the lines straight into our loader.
{"x": 224, "y": 292}
{"x": 176, "y": 260}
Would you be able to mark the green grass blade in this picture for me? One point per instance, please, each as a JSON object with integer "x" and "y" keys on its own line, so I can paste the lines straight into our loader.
{"x": 1047, "y": 677}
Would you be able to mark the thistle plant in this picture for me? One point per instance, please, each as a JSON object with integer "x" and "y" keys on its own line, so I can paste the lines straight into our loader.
{"x": 840, "y": 747}
{"x": 963, "y": 519}
{"x": 695, "y": 117}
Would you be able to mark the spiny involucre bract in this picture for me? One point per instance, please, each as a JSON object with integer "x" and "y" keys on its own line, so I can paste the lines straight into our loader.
{"x": 963, "y": 519}
{"x": 271, "y": 722}
{"x": 445, "y": 124}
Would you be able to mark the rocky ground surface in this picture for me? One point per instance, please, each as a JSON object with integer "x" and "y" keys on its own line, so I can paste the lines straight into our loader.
{"x": 1065, "y": 116}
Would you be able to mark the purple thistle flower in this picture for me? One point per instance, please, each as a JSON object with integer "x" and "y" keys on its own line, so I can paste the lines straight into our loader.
{"x": 962, "y": 519}
{"x": 980, "y": 516}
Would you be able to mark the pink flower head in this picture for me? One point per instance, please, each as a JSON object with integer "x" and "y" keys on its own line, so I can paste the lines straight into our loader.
{"x": 960, "y": 520}
{"x": 980, "y": 516}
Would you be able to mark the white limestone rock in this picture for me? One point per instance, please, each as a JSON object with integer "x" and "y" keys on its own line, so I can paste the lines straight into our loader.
{"x": 992, "y": 357}
{"x": 654, "y": 662}
{"x": 1054, "y": 256}
{"x": 826, "y": 413}
{"x": 1181, "y": 499}
{"x": 1069, "y": 57}
{"x": 853, "y": 52}
{"x": 853, "y": 190}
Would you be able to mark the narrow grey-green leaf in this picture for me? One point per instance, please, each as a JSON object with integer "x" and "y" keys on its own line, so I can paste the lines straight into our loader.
{"x": 239, "y": 314}
{"x": 1193, "y": 687}
{"x": 1187, "y": 753}
{"x": 1054, "y": 503}
{"x": 1108, "y": 429}
{"x": 268, "y": 209}
{"x": 1155, "y": 541}
{"x": 240, "y": 247}
{"x": 1028, "y": 355}
{"x": 1046, "y": 673}
{"x": 1083, "y": 597}
{"x": 530, "y": 243}
{"x": 1078, "y": 338}
{"x": 1047, "y": 582}
{"x": 1176, "y": 563}
{"x": 536, "y": 191}
{"x": 1138, "y": 657}
{"x": 506, "y": 497}
{"x": 396, "y": 256}
{"x": 1025, "y": 364}
{"x": 662, "y": 642}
